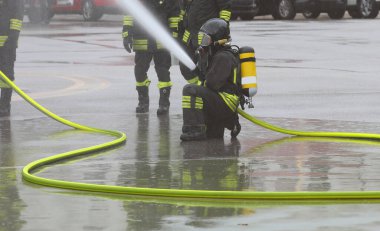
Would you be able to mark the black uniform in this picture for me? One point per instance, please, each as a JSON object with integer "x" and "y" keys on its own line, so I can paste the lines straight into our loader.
{"x": 193, "y": 15}
{"x": 147, "y": 48}
{"x": 212, "y": 107}
{"x": 11, "y": 15}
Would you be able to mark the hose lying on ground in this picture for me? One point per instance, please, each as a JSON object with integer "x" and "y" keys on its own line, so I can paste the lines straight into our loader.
{"x": 27, "y": 171}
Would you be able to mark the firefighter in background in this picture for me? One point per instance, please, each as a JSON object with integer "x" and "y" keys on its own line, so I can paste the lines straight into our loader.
{"x": 194, "y": 13}
{"x": 146, "y": 49}
{"x": 11, "y": 15}
{"x": 211, "y": 107}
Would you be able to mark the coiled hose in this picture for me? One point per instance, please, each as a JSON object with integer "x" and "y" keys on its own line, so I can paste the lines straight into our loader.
{"x": 27, "y": 171}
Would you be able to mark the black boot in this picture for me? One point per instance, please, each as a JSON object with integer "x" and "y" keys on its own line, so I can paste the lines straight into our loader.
{"x": 164, "y": 102}
{"x": 143, "y": 105}
{"x": 5, "y": 102}
{"x": 190, "y": 133}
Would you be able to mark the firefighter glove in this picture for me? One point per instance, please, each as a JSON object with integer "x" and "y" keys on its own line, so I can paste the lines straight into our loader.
{"x": 127, "y": 41}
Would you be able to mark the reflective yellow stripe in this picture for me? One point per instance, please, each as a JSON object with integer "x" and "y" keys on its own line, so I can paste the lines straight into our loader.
{"x": 125, "y": 34}
{"x": 128, "y": 21}
{"x": 140, "y": 44}
{"x": 146, "y": 83}
{"x": 173, "y": 22}
{"x": 164, "y": 84}
{"x": 235, "y": 75}
{"x": 186, "y": 101}
{"x": 159, "y": 45}
{"x": 193, "y": 80}
{"x": 15, "y": 24}
{"x": 186, "y": 36}
{"x": 225, "y": 14}
{"x": 198, "y": 103}
{"x": 200, "y": 37}
{"x": 3, "y": 39}
{"x": 140, "y": 41}
{"x": 186, "y": 98}
{"x": 175, "y": 35}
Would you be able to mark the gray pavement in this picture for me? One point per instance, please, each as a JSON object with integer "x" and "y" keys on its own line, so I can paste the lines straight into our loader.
{"x": 313, "y": 75}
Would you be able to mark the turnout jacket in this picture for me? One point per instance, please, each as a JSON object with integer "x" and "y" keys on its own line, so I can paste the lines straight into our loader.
{"x": 166, "y": 12}
{"x": 222, "y": 76}
{"x": 11, "y": 15}
{"x": 194, "y": 13}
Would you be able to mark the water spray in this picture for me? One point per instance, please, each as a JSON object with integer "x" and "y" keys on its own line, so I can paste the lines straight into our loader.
{"x": 155, "y": 29}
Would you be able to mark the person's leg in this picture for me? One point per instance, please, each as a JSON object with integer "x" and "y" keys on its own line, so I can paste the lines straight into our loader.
{"x": 142, "y": 63}
{"x": 162, "y": 62}
{"x": 7, "y": 60}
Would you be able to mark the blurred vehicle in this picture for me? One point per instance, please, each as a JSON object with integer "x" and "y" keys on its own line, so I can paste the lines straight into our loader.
{"x": 335, "y": 9}
{"x": 91, "y": 10}
{"x": 37, "y": 10}
{"x": 287, "y": 9}
{"x": 363, "y": 8}
{"x": 245, "y": 9}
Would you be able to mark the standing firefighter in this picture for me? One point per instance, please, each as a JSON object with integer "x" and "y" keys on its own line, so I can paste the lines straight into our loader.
{"x": 146, "y": 49}
{"x": 194, "y": 14}
{"x": 11, "y": 15}
{"x": 211, "y": 107}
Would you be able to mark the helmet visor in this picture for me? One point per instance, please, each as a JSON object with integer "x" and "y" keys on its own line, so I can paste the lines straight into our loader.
{"x": 204, "y": 39}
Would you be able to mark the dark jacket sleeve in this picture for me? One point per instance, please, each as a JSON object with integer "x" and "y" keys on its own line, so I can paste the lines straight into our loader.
{"x": 128, "y": 24}
{"x": 173, "y": 12}
{"x": 224, "y": 9}
{"x": 219, "y": 71}
{"x": 16, "y": 8}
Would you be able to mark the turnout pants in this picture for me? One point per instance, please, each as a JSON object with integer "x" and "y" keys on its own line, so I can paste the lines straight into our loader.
{"x": 7, "y": 60}
{"x": 204, "y": 107}
{"x": 162, "y": 63}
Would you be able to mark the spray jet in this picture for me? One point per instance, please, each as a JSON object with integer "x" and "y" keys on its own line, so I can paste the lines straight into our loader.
{"x": 156, "y": 30}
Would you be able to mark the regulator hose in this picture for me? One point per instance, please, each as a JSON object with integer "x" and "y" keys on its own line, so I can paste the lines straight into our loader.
{"x": 27, "y": 172}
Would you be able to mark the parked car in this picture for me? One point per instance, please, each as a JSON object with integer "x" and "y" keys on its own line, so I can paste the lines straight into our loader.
{"x": 313, "y": 8}
{"x": 245, "y": 9}
{"x": 287, "y": 9}
{"x": 363, "y": 8}
{"x": 92, "y": 10}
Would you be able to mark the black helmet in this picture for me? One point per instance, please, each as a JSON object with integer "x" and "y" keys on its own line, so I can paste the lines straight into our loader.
{"x": 214, "y": 31}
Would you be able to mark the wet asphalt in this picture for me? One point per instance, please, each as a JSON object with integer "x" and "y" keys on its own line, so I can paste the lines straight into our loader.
{"x": 320, "y": 75}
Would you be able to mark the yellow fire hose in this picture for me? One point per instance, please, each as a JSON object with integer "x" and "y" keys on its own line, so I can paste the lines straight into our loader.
{"x": 27, "y": 171}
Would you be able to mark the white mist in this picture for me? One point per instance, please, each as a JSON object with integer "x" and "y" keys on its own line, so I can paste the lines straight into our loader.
{"x": 155, "y": 29}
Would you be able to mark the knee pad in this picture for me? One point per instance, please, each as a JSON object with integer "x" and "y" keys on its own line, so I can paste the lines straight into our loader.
{"x": 190, "y": 89}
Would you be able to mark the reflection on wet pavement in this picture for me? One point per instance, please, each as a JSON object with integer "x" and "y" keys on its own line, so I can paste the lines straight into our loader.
{"x": 298, "y": 82}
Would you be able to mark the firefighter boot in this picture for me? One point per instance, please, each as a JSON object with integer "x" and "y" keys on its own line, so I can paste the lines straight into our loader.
{"x": 143, "y": 105}
{"x": 190, "y": 132}
{"x": 5, "y": 102}
{"x": 164, "y": 102}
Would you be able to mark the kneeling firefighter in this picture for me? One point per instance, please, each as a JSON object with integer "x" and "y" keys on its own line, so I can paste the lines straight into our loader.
{"x": 228, "y": 75}
{"x": 211, "y": 107}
